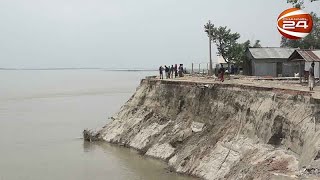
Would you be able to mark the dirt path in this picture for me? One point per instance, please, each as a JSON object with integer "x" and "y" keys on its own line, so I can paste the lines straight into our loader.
{"x": 253, "y": 82}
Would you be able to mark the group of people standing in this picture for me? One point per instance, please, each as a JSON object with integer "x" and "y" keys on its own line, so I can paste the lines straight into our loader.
{"x": 173, "y": 71}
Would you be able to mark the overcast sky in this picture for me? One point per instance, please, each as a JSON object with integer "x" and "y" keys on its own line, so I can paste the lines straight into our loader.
{"x": 126, "y": 33}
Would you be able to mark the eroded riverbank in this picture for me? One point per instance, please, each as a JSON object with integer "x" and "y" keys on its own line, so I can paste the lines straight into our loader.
{"x": 220, "y": 131}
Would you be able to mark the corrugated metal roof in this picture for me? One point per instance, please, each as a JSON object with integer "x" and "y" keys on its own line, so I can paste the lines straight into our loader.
{"x": 317, "y": 53}
{"x": 309, "y": 55}
{"x": 271, "y": 53}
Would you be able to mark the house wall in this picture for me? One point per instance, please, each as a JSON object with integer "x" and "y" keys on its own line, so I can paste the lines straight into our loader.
{"x": 289, "y": 69}
{"x": 272, "y": 67}
{"x": 261, "y": 68}
{"x": 268, "y": 67}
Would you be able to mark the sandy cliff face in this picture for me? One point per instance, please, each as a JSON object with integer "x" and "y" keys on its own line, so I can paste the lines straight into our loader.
{"x": 220, "y": 131}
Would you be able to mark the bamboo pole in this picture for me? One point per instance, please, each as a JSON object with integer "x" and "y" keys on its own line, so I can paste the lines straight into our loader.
{"x": 192, "y": 69}
{"x": 210, "y": 55}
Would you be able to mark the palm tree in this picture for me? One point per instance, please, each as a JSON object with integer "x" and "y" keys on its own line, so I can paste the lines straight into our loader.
{"x": 208, "y": 28}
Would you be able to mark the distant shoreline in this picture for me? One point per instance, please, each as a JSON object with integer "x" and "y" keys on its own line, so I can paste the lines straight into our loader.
{"x": 45, "y": 69}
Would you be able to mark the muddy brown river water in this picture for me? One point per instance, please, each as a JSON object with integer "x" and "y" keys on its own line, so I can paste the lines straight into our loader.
{"x": 42, "y": 115}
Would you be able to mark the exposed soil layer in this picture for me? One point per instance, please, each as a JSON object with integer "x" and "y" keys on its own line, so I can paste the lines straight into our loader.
{"x": 220, "y": 131}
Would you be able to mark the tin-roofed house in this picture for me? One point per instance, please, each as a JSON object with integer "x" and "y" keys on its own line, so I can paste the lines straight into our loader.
{"x": 222, "y": 61}
{"x": 271, "y": 61}
{"x": 304, "y": 58}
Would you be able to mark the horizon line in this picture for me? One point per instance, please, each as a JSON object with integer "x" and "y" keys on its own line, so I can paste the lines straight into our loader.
{"x": 79, "y": 68}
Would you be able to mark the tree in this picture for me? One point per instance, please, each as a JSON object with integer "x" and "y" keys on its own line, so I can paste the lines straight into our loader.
{"x": 242, "y": 57}
{"x": 310, "y": 41}
{"x": 228, "y": 46}
{"x": 226, "y": 43}
{"x": 256, "y": 44}
{"x": 298, "y": 3}
{"x": 238, "y": 51}
{"x": 208, "y": 28}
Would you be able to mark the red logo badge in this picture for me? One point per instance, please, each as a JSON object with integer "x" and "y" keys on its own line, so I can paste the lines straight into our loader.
{"x": 294, "y": 23}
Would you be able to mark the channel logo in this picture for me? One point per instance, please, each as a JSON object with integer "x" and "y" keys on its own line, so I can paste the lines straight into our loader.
{"x": 294, "y": 23}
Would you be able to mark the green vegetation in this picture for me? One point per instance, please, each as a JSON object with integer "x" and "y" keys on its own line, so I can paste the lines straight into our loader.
{"x": 227, "y": 44}
{"x": 208, "y": 28}
{"x": 312, "y": 40}
{"x": 298, "y": 3}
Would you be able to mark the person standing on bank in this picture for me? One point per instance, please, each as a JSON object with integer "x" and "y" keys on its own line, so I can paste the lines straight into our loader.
{"x": 175, "y": 71}
{"x": 161, "y": 72}
{"x": 181, "y": 70}
{"x": 221, "y": 73}
{"x": 171, "y": 71}
{"x": 311, "y": 77}
{"x": 166, "y": 69}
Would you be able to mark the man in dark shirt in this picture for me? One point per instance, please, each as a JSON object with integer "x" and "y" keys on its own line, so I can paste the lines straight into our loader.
{"x": 311, "y": 77}
{"x": 161, "y": 72}
{"x": 175, "y": 71}
{"x": 167, "y": 69}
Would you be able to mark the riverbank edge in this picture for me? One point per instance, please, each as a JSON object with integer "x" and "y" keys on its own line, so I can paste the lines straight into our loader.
{"x": 94, "y": 136}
